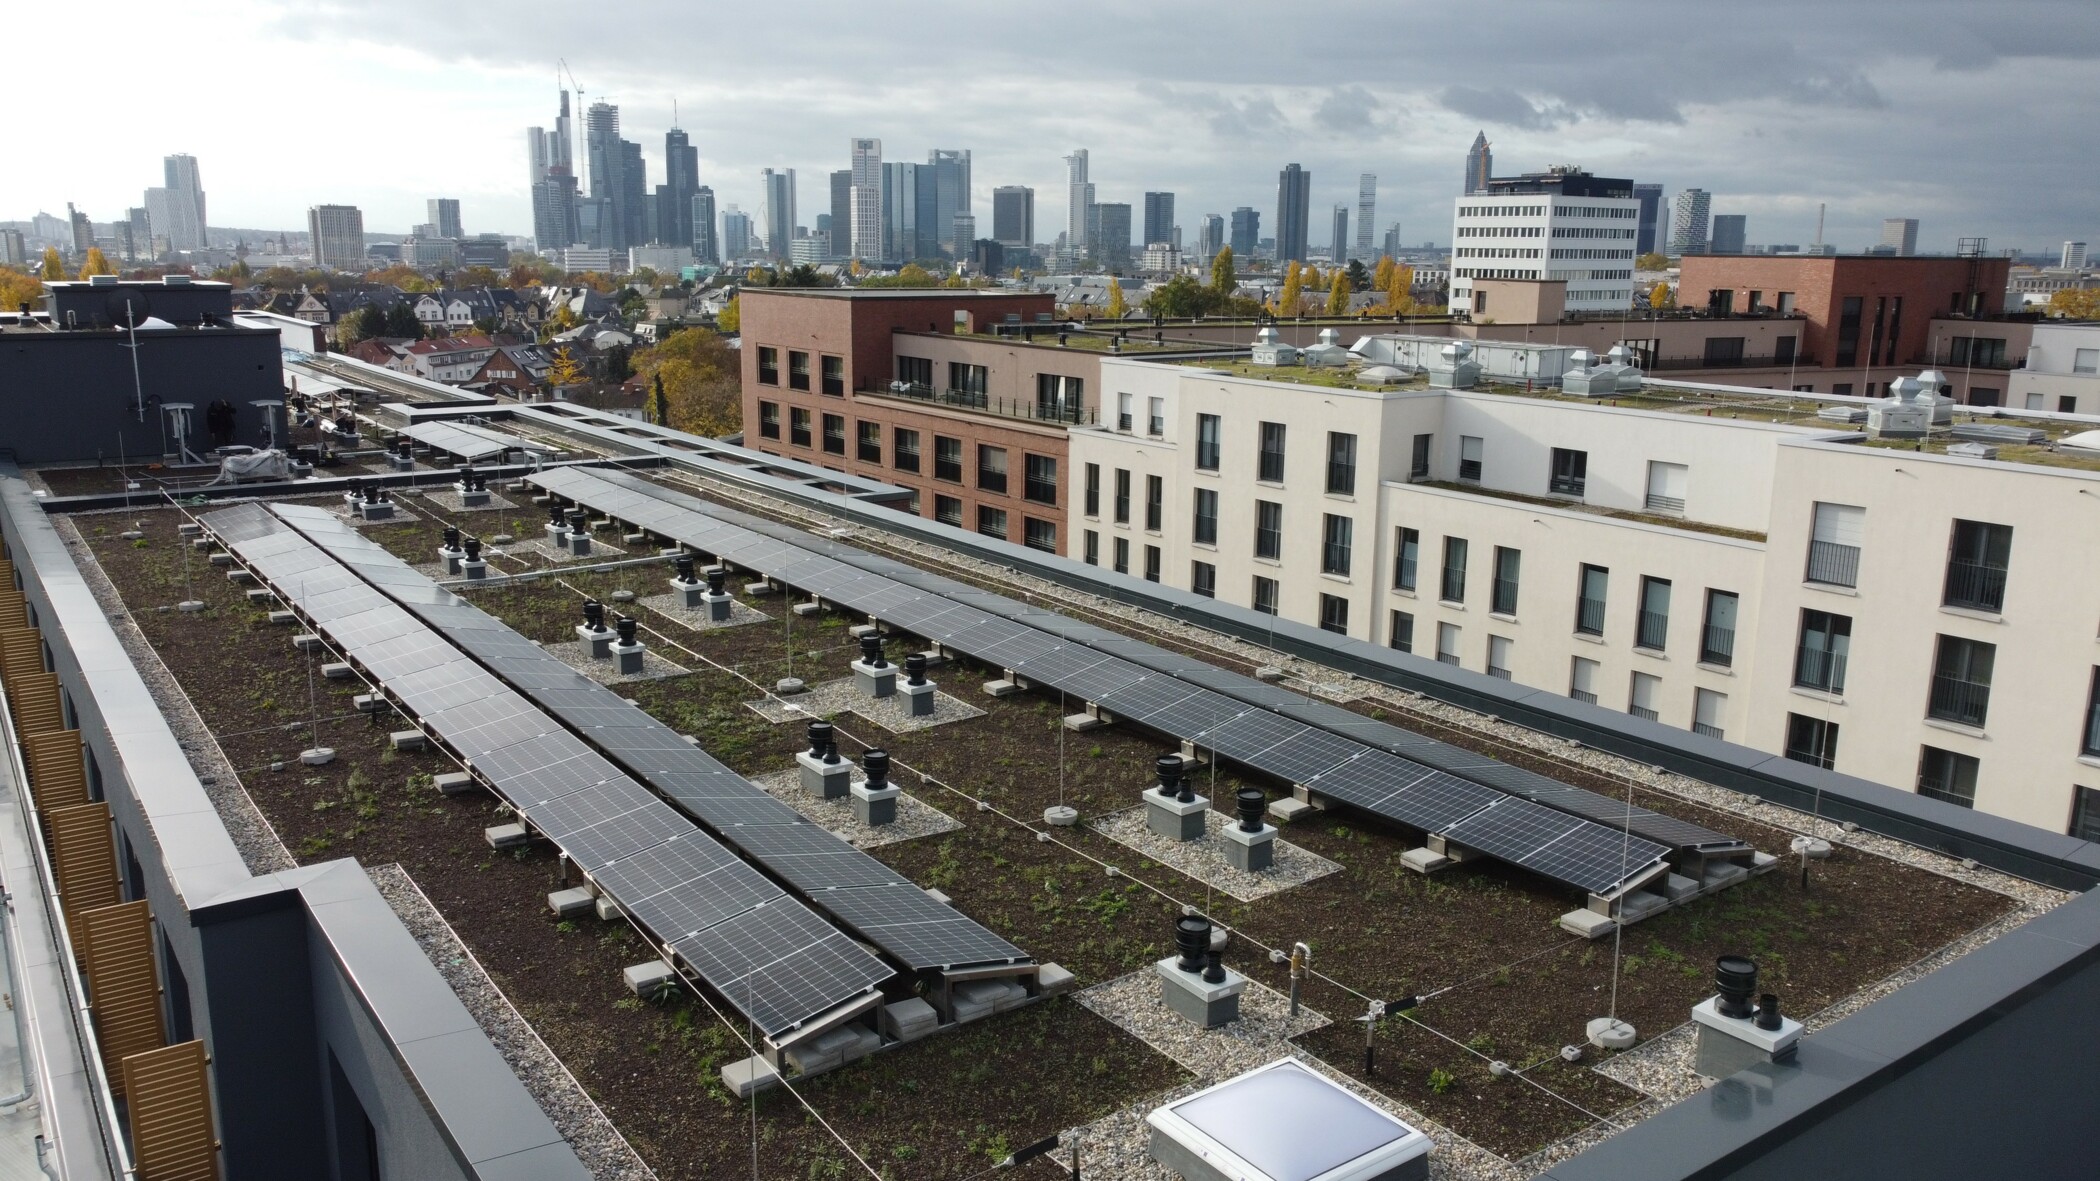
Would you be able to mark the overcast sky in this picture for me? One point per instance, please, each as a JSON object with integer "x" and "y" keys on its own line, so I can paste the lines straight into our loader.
{"x": 1976, "y": 118}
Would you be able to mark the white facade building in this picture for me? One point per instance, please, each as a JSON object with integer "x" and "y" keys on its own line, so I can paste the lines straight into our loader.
{"x": 1782, "y": 587}
{"x": 2062, "y": 374}
{"x": 664, "y": 260}
{"x": 1529, "y": 228}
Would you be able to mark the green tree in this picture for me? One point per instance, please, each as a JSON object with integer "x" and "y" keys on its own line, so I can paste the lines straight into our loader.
{"x": 1180, "y": 298}
{"x": 1223, "y": 279}
{"x": 363, "y": 324}
{"x": 911, "y": 274}
{"x": 1359, "y": 278}
{"x": 619, "y": 365}
{"x": 54, "y": 267}
{"x": 663, "y": 407}
{"x": 804, "y": 275}
{"x": 1117, "y": 306}
{"x": 1651, "y": 261}
{"x": 1338, "y": 294}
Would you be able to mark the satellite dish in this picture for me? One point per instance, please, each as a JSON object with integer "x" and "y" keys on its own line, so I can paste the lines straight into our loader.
{"x": 128, "y": 307}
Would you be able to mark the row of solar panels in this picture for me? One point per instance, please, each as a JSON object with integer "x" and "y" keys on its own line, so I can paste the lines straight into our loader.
{"x": 1175, "y": 695}
{"x": 859, "y": 892}
{"x": 766, "y": 953}
{"x": 468, "y": 442}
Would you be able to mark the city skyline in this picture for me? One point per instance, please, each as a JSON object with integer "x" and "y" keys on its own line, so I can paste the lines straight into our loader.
{"x": 1872, "y": 132}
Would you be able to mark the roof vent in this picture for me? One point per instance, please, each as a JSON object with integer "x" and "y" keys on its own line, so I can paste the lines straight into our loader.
{"x": 1973, "y": 451}
{"x": 175, "y": 280}
{"x": 102, "y": 280}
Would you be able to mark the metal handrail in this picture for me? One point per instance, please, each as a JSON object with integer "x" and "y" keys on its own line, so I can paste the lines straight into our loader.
{"x": 1717, "y": 642}
{"x": 1820, "y": 669}
{"x": 1589, "y": 616}
{"x": 1974, "y": 585}
{"x": 1958, "y": 699}
{"x": 1654, "y": 630}
{"x": 1832, "y": 564}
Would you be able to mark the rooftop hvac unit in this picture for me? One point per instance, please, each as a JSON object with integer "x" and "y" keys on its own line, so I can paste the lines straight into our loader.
{"x": 1973, "y": 451}
{"x": 1984, "y": 432}
{"x": 1842, "y": 414}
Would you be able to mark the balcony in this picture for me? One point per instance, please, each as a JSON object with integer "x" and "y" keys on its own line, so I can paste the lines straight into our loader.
{"x": 1589, "y": 616}
{"x": 1468, "y": 471}
{"x": 1505, "y": 597}
{"x": 1644, "y": 712}
{"x": 1558, "y": 485}
{"x": 1450, "y": 658}
{"x": 1769, "y": 361}
{"x": 1709, "y": 731}
{"x": 1832, "y": 564}
{"x": 1454, "y": 588}
{"x": 1975, "y": 586}
{"x": 1654, "y": 630}
{"x": 1583, "y": 695}
{"x": 1717, "y": 646}
{"x": 1039, "y": 490}
{"x": 1672, "y": 506}
{"x": 1958, "y": 700}
{"x": 986, "y": 404}
{"x": 1816, "y": 668}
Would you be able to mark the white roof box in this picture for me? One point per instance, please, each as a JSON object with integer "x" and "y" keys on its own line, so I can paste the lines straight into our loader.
{"x": 1284, "y": 1122}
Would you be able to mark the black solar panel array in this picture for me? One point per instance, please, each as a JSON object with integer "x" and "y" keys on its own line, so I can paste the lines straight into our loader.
{"x": 811, "y": 859}
{"x": 1175, "y": 694}
{"x": 756, "y": 945}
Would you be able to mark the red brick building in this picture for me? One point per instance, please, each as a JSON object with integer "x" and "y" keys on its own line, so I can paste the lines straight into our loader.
{"x": 1860, "y": 312}
{"x": 910, "y": 387}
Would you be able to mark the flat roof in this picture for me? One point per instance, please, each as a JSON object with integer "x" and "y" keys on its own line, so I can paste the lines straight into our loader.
{"x": 905, "y": 293}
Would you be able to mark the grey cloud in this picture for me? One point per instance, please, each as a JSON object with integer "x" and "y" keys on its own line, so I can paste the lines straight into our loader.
{"x": 1350, "y": 109}
{"x": 1502, "y": 105}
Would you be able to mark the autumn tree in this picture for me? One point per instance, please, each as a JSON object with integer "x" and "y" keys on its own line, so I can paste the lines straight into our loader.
{"x": 17, "y": 289}
{"x": 54, "y": 267}
{"x": 1659, "y": 296}
{"x": 697, "y": 374}
{"x": 731, "y": 318}
{"x": 1338, "y": 294}
{"x": 565, "y": 371}
{"x": 1293, "y": 294}
{"x": 1382, "y": 274}
{"x": 1223, "y": 279}
{"x": 2076, "y": 303}
{"x": 363, "y": 324}
{"x": 96, "y": 263}
{"x": 1117, "y": 305}
{"x": 1399, "y": 288}
{"x": 1652, "y": 261}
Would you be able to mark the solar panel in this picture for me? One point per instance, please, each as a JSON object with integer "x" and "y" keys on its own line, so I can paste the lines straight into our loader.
{"x": 923, "y": 933}
{"x": 813, "y": 858}
{"x": 612, "y": 821}
{"x": 682, "y": 886}
{"x": 780, "y": 965}
{"x": 1563, "y": 847}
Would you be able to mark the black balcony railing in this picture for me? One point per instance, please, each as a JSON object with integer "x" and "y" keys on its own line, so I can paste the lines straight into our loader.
{"x": 1654, "y": 632}
{"x": 1039, "y": 490}
{"x": 1641, "y": 711}
{"x": 1122, "y": 422}
{"x": 991, "y": 481}
{"x": 799, "y": 436}
{"x": 1454, "y": 588}
{"x": 1469, "y": 470}
{"x": 1955, "y": 699}
{"x": 947, "y": 469}
{"x": 1558, "y": 485}
{"x": 1772, "y": 361}
{"x": 972, "y": 400}
{"x": 1975, "y": 586}
{"x": 1447, "y": 658}
{"x": 1833, "y": 564}
{"x": 1817, "y": 668}
{"x": 1709, "y": 731}
{"x": 1499, "y": 672}
{"x": 1505, "y": 597}
{"x": 1583, "y": 695}
{"x": 1672, "y": 505}
{"x": 1717, "y": 646}
{"x": 1589, "y": 616}
{"x": 1404, "y": 574}
{"x": 869, "y": 452}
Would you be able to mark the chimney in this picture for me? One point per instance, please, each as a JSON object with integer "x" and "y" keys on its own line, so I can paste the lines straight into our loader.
{"x": 875, "y": 799}
{"x": 1735, "y": 1033}
{"x": 1173, "y": 809}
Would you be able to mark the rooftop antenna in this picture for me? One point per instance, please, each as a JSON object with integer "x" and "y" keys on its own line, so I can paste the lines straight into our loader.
{"x": 1820, "y": 207}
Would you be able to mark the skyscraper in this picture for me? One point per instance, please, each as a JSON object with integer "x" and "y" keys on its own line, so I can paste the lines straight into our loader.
{"x": 674, "y": 197}
{"x": 1293, "y": 212}
{"x": 444, "y": 214}
{"x": 338, "y": 233}
{"x": 777, "y": 218}
{"x": 1339, "y": 252}
{"x": 1211, "y": 238}
{"x": 864, "y": 229}
{"x": 736, "y": 234}
{"x": 1246, "y": 233}
{"x": 1013, "y": 217}
{"x": 2073, "y": 258}
{"x": 1899, "y": 232}
{"x": 1159, "y": 218}
{"x": 839, "y": 222}
{"x": 1730, "y": 230}
{"x": 706, "y": 246}
{"x": 556, "y": 220}
{"x": 951, "y": 194}
{"x": 601, "y": 135}
{"x": 83, "y": 230}
{"x": 900, "y": 212}
{"x": 1688, "y": 221}
{"x": 177, "y": 207}
{"x": 1392, "y": 240}
{"x": 1108, "y": 233}
{"x": 1080, "y": 192}
{"x": 1651, "y": 199}
{"x": 1366, "y": 210}
{"x": 1480, "y": 165}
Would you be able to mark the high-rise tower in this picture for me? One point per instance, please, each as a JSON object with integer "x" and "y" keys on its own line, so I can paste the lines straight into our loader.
{"x": 1293, "y": 212}
{"x": 862, "y": 239}
{"x": 1081, "y": 192}
{"x": 1366, "y": 209}
{"x": 1480, "y": 165}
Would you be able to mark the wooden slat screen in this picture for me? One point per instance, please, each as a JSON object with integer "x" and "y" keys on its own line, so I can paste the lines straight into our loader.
{"x": 114, "y": 945}
{"x": 14, "y": 608}
{"x": 36, "y": 702}
{"x": 57, "y": 769}
{"x": 83, "y": 859}
{"x": 21, "y": 649}
{"x": 170, "y": 1100}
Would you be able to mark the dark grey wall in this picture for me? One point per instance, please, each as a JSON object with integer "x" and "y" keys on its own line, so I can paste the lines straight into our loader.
{"x": 69, "y": 396}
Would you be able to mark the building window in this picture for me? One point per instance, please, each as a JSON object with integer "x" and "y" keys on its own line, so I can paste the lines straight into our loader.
{"x": 1507, "y": 563}
{"x": 1944, "y": 775}
{"x": 1039, "y": 478}
{"x": 768, "y": 365}
{"x": 1271, "y": 464}
{"x": 769, "y": 420}
{"x": 1151, "y": 563}
{"x": 1155, "y": 417}
{"x": 1265, "y": 595}
{"x": 971, "y": 382}
{"x": 869, "y": 442}
{"x": 916, "y": 372}
{"x": 1723, "y": 351}
{"x": 1961, "y": 680}
{"x": 1206, "y": 516}
{"x": 947, "y": 459}
{"x": 1122, "y": 496}
{"x": 835, "y": 434}
{"x": 991, "y": 468}
{"x": 1093, "y": 490}
{"x": 1717, "y": 636}
{"x": 1407, "y": 552}
{"x": 1155, "y": 502}
{"x": 1120, "y": 547}
{"x": 1848, "y": 331}
{"x": 1666, "y": 485}
{"x": 1402, "y": 636}
{"x": 1210, "y": 430}
{"x": 1334, "y": 614}
{"x": 1977, "y": 558}
{"x": 1707, "y": 710}
{"x": 1812, "y": 740}
{"x": 1498, "y": 656}
{"x": 948, "y": 510}
{"x": 1039, "y": 534}
{"x": 1268, "y": 530}
{"x": 834, "y": 372}
{"x": 1341, "y": 464}
{"x": 1447, "y": 643}
{"x": 907, "y": 449}
{"x": 1470, "y": 448}
{"x": 1819, "y": 659}
{"x": 1336, "y": 534}
{"x": 798, "y": 426}
{"x": 1582, "y": 681}
{"x": 2085, "y": 813}
{"x": 1090, "y": 548}
{"x": 1589, "y": 600}
{"x": 1641, "y": 702}
{"x": 1418, "y": 463}
{"x": 1122, "y": 412}
{"x": 1570, "y": 474}
{"x": 1059, "y": 398}
{"x": 798, "y": 370}
{"x": 2091, "y": 743}
{"x": 1653, "y": 629}
{"x": 1203, "y": 579}
{"x": 991, "y": 521}
{"x": 1454, "y": 584}
{"x": 1833, "y": 547}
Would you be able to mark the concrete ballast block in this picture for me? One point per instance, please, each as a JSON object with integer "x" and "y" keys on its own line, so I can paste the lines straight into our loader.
{"x": 506, "y": 836}
{"x": 456, "y": 783}
{"x": 407, "y": 740}
{"x": 647, "y": 980}
{"x": 570, "y": 903}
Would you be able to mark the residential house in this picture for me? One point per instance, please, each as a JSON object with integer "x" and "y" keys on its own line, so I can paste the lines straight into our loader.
{"x": 451, "y": 359}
